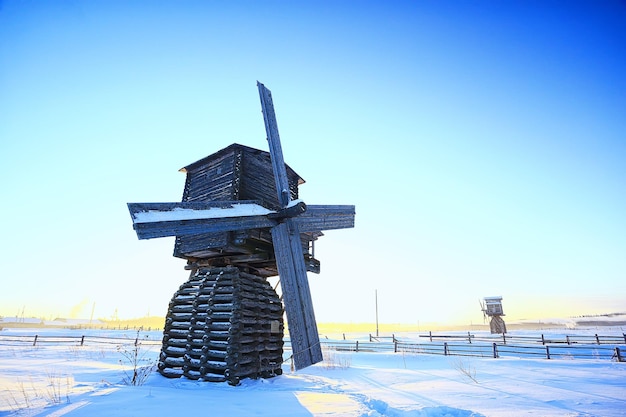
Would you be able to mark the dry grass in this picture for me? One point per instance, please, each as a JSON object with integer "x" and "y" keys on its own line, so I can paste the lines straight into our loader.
{"x": 54, "y": 390}
{"x": 336, "y": 360}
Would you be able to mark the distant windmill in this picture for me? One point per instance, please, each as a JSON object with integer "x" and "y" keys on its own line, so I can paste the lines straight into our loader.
{"x": 492, "y": 308}
{"x": 240, "y": 222}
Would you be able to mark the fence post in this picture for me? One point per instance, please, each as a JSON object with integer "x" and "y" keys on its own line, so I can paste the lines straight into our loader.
{"x": 469, "y": 337}
{"x": 357, "y": 345}
{"x": 82, "y": 340}
{"x": 624, "y": 334}
{"x": 344, "y": 336}
{"x": 495, "y": 350}
{"x": 370, "y": 337}
{"x": 35, "y": 341}
{"x": 548, "y": 352}
{"x": 504, "y": 338}
{"x": 567, "y": 338}
{"x": 597, "y": 338}
{"x": 395, "y": 346}
{"x": 543, "y": 341}
{"x": 430, "y": 334}
{"x": 618, "y": 354}
{"x": 445, "y": 348}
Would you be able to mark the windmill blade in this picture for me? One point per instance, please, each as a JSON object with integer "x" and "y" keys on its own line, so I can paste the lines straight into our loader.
{"x": 276, "y": 151}
{"x": 482, "y": 307}
{"x": 288, "y": 252}
{"x": 154, "y": 220}
{"x": 325, "y": 217}
{"x": 200, "y": 226}
{"x": 303, "y": 333}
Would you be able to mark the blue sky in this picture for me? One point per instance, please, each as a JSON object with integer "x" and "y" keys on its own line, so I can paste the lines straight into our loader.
{"x": 483, "y": 144}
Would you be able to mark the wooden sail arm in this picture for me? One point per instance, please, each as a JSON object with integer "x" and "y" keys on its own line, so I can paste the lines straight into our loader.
{"x": 154, "y": 220}
{"x": 326, "y": 217}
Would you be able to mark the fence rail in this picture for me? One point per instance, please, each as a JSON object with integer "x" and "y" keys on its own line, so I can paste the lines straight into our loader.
{"x": 543, "y": 339}
{"x": 567, "y": 347}
{"x": 34, "y": 340}
{"x": 582, "y": 347}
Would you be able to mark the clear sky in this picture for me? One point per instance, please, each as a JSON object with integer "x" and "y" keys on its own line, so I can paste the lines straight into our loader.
{"x": 482, "y": 142}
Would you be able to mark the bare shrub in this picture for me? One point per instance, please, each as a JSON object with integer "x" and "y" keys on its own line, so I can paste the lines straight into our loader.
{"x": 465, "y": 367}
{"x": 140, "y": 366}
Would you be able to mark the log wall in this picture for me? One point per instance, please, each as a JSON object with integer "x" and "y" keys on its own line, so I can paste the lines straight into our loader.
{"x": 236, "y": 172}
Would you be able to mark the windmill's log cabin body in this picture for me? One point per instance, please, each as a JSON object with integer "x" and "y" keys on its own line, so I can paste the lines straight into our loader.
{"x": 238, "y": 172}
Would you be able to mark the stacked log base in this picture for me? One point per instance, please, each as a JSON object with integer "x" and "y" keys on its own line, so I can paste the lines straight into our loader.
{"x": 223, "y": 325}
{"x": 497, "y": 325}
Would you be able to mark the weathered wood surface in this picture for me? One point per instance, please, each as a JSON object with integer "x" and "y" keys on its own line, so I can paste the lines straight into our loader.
{"x": 289, "y": 256}
{"x": 213, "y": 178}
{"x": 135, "y": 208}
{"x": 325, "y": 217}
{"x": 257, "y": 181}
{"x": 497, "y": 325}
{"x": 201, "y": 226}
{"x": 314, "y": 218}
{"x": 177, "y": 219}
{"x": 276, "y": 152}
{"x": 236, "y": 172}
{"x": 230, "y": 325}
{"x": 224, "y": 341}
{"x": 237, "y": 240}
{"x": 296, "y": 295}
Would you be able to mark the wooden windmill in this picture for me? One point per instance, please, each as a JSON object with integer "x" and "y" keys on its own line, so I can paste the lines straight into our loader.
{"x": 239, "y": 222}
{"x": 492, "y": 308}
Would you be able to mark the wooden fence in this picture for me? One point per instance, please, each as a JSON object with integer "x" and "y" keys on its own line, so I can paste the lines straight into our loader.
{"x": 481, "y": 349}
{"x": 569, "y": 347}
{"x": 543, "y": 339}
{"x": 612, "y": 347}
{"x": 498, "y": 350}
{"x": 38, "y": 340}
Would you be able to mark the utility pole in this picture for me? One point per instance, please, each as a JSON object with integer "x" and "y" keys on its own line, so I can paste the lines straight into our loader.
{"x": 93, "y": 308}
{"x": 376, "y": 298}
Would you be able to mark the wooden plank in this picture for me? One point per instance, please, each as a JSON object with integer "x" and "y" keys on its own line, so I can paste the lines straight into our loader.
{"x": 200, "y": 245}
{"x": 212, "y": 178}
{"x": 296, "y": 295}
{"x": 135, "y": 208}
{"x": 316, "y": 218}
{"x": 325, "y": 217}
{"x": 200, "y": 226}
{"x": 289, "y": 256}
{"x": 276, "y": 152}
{"x": 147, "y": 229}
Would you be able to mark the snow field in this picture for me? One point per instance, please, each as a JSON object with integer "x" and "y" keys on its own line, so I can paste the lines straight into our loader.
{"x": 69, "y": 380}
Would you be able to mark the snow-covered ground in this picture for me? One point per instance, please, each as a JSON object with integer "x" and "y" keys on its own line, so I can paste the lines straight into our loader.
{"x": 66, "y": 379}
